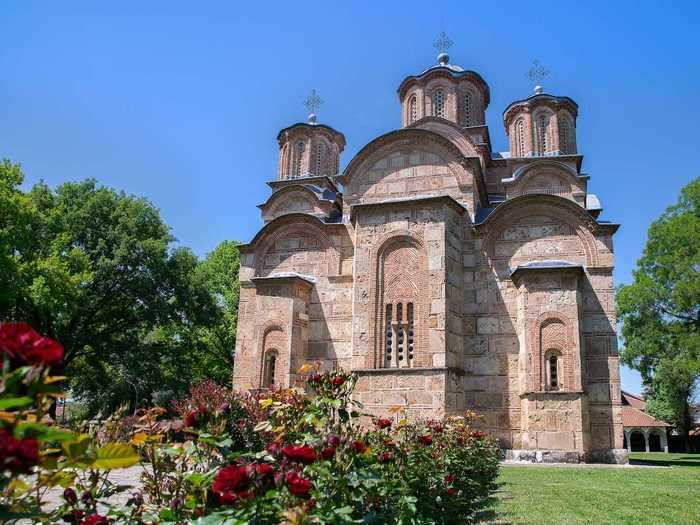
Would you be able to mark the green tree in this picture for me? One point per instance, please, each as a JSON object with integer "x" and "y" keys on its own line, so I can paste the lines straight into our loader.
{"x": 660, "y": 311}
{"x": 95, "y": 269}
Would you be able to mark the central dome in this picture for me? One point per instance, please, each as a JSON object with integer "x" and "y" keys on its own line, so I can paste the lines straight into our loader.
{"x": 445, "y": 91}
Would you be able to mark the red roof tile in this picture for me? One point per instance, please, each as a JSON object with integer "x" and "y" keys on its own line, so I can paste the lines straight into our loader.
{"x": 633, "y": 417}
{"x": 633, "y": 400}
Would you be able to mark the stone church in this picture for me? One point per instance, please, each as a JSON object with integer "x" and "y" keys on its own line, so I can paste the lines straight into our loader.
{"x": 447, "y": 275}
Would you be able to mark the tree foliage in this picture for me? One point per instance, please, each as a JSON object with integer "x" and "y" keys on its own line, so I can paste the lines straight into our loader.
{"x": 660, "y": 311}
{"x": 96, "y": 269}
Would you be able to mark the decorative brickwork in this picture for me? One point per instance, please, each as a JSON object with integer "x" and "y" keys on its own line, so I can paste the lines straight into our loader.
{"x": 447, "y": 275}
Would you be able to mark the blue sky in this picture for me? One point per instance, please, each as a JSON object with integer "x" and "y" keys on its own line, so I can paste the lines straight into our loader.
{"x": 181, "y": 103}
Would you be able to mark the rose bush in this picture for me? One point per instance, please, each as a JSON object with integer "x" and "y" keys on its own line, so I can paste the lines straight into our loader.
{"x": 293, "y": 456}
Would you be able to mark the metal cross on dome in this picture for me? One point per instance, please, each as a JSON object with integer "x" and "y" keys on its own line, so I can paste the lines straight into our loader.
{"x": 443, "y": 42}
{"x": 537, "y": 72}
{"x": 313, "y": 101}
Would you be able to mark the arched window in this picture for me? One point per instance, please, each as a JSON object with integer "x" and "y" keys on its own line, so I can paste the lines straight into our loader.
{"x": 320, "y": 159}
{"x": 299, "y": 148}
{"x": 439, "y": 103}
{"x": 399, "y": 323}
{"x": 566, "y": 142}
{"x": 269, "y": 369}
{"x": 468, "y": 109}
{"x": 519, "y": 138}
{"x": 542, "y": 133}
{"x": 553, "y": 369}
{"x": 412, "y": 110}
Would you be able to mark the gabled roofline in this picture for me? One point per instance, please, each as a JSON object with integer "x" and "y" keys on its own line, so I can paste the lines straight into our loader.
{"x": 287, "y": 218}
{"x": 280, "y": 183}
{"x": 445, "y": 71}
{"x": 310, "y": 126}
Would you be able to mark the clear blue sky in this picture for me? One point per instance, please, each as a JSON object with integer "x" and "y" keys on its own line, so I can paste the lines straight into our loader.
{"x": 181, "y": 101}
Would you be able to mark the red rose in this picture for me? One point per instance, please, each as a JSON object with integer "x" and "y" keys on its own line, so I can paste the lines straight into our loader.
{"x": 426, "y": 439}
{"x": 301, "y": 453}
{"x": 451, "y": 491}
{"x": 437, "y": 429}
{"x": 328, "y": 452}
{"x": 297, "y": 485}
{"x": 383, "y": 422}
{"x": 338, "y": 380}
{"x": 450, "y": 478}
{"x": 18, "y": 455}
{"x": 262, "y": 469}
{"x": 386, "y": 457}
{"x": 95, "y": 519}
{"x": 358, "y": 446}
{"x": 230, "y": 483}
{"x": 22, "y": 345}
{"x": 333, "y": 440}
{"x": 195, "y": 418}
{"x": 478, "y": 434}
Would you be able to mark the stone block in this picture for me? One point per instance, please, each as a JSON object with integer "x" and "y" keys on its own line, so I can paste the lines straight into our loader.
{"x": 383, "y": 382}
{"x": 411, "y": 381}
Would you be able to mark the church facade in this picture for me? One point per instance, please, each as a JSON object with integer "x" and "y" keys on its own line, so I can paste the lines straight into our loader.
{"x": 447, "y": 275}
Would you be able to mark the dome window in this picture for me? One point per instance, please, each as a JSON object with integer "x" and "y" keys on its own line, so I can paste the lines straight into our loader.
{"x": 468, "y": 109}
{"x": 520, "y": 138}
{"x": 542, "y": 134}
{"x": 413, "y": 110}
{"x": 439, "y": 103}
{"x": 298, "y": 154}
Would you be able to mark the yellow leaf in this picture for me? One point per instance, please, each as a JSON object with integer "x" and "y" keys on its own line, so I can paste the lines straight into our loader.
{"x": 139, "y": 438}
{"x": 394, "y": 410}
{"x": 115, "y": 455}
{"x": 10, "y": 417}
{"x": 17, "y": 487}
{"x": 306, "y": 368}
{"x": 265, "y": 402}
{"x": 54, "y": 379}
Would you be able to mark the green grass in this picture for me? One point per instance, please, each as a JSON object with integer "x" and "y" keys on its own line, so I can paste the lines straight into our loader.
{"x": 602, "y": 495}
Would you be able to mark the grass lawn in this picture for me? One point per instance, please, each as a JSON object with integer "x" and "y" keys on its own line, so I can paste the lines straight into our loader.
{"x": 602, "y": 495}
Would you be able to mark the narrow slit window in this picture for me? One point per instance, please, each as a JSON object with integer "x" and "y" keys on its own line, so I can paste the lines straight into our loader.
{"x": 520, "y": 138}
{"x": 409, "y": 330}
{"x": 269, "y": 372}
{"x": 439, "y": 103}
{"x": 553, "y": 372}
{"x": 388, "y": 337}
{"x": 412, "y": 110}
{"x": 468, "y": 109}
{"x": 298, "y": 154}
{"x": 543, "y": 134}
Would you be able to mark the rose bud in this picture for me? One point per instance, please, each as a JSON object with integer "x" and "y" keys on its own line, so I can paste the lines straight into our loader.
{"x": 70, "y": 496}
{"x": 338, "y": 380}
{"x": 328, "y": 452}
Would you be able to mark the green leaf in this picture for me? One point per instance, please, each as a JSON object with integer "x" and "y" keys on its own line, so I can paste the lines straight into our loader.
{"x": 15, "y": 402}
{"x": 43, "y": 432}
{"x": 115, "y": 455}
{"x": 76, "y": 449}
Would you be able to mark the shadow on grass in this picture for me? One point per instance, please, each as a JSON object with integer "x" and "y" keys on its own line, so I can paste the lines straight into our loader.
{"x": 685, "y": 461}
{"x": 489, "y": 516}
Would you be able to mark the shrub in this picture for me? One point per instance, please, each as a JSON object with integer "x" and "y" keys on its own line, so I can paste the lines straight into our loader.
{"x": 288, "y": 456}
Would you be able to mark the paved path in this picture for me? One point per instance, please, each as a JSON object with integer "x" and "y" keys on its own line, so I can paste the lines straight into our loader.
{"x": 123, "y": 476}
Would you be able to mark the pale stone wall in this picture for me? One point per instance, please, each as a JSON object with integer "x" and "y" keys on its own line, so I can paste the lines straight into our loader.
{"x": 337, "y": 288}
{"x": 404, "y": 173}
